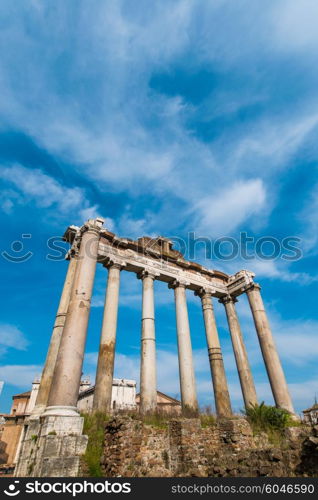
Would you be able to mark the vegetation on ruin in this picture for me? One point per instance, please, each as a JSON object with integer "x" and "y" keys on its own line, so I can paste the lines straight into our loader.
{"x": 207, "y": 418}
{"x": 94, "y": 425}
{"x": 263, "y": 417}
{"x": 157, "y": 419}
{"x": 271, "y": 420}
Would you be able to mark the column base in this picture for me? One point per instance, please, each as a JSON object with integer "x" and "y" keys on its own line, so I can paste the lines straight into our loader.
{"x": 37, "y": 412}
{"x": 61, "y": 411}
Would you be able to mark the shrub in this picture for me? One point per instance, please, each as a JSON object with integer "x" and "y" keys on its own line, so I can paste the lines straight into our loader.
{"x": 94, "y": 425}
{"x": 268, "y": 418}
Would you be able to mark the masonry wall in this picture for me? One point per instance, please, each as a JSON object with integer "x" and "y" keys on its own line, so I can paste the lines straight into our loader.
{"x": 184, "y": 448}
{"x": 9, "y": 440}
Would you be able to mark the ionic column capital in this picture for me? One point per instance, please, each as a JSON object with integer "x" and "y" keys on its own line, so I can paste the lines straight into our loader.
{"x": 69, "y": 254}
{"x": 178, "y": 283}
{"x": 227, "y": 299}
{"x": 204, "y": 292}
{"x": 251, "y": 286}
{"x": 147, "y": 273}
{"x": 114, "y": 264}
{"x": 92, "y": 226}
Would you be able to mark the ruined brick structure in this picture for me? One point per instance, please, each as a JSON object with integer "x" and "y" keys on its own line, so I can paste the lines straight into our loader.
{"x": 184, "y": 448}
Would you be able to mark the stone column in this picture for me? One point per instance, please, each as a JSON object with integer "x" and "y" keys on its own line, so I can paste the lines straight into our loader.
{"x": 242, "y": 363}
{"x": 48, "y": 370}
{"x": 221, "y": 393}
{"x": 186, "y": 369}
{"x": 272, "y": 362}
{"x": 68, "y": 369}
{"x": 148, "y": 372}
{"x": 105, "y": 366}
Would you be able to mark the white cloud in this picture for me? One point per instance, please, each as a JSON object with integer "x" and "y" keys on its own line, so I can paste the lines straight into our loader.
{"x": 296, "y": 340}
{"x": 20, "y": 375}
{"x": 276, "y": 140}
{"x": 295, "y": 24}
{"x": 47, "y": 193}
{"x": 222, "y": 213}
{"x": 114, "y": 145}
{"x": 12, "y": 337}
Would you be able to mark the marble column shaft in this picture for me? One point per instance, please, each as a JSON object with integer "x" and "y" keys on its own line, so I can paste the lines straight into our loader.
{"x": 272, "y": 362}
{"x": 106, "y": 357}
{"x": 68, "y": 369}
{"x": 48, "y": 370}
{"x": 148, "y": 372}
{"x": 186, "y": 369}
{"x": 221, "y": 392}
{"x": 240, "y": 353}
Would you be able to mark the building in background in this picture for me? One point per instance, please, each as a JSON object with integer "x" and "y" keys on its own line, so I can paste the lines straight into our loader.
{"x": 165, "y": 404}
{"x": 311, "y": 414}
{"x": 123, "y": 396}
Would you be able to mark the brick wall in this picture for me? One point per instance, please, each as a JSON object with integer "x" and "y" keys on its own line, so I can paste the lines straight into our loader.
{"x": 184, "y": 448}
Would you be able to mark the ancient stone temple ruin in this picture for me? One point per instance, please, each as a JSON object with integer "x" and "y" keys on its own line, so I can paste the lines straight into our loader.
{"x": 53, "y": 440}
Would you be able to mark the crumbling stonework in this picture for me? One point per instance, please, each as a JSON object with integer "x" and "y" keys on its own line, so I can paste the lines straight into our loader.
{"x": 52, "y": 447}
{"x": 184, "y": 448}
{"x": 308, "y": 465}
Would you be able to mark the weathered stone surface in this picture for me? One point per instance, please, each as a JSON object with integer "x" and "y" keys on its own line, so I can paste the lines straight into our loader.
{"x": 52, "y": 447}
{"x": 184, "y": 448}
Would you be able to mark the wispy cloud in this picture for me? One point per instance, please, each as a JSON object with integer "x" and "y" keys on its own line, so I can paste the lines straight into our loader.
{"x": 20, "y": 375}
{"x": 45, "y": 191}
{"x": 12, "y": 337}
{"x": 220, "y": 214}
{"x": 148, "y": 144}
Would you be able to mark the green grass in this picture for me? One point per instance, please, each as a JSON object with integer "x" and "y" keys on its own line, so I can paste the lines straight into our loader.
{"x": 269, "y": 419}
{"x": 156, "y": 419}
{"x": 207, "y": 420}
{"x": 94, "y": 425}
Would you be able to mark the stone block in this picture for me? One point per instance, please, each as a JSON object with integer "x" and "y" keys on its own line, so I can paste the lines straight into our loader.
{"x": 62, "y": 425}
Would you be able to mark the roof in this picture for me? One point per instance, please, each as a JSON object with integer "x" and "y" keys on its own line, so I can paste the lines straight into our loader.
{"x": 26, "y": 394}
{"x": 169, "y": 398}
{"x": 314, "y": 407}
{"x": 116, "y": 382}
{"x": 86, "y": 392}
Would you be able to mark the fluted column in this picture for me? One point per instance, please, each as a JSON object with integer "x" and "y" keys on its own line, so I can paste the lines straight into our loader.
{"x": 106, "y": 357}
{"x": 272, "y": 362}
{"x": 221, "y": 392}
{"x": 68, "y": 369}
{"x": 242, "y": 363}
{"x": 186, "y": 369}
{"x": 148, "y": 373}
{"x": 48, "y": 370}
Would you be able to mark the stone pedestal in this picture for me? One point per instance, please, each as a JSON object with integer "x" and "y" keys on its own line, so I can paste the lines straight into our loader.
{"x": 52, "y": 447}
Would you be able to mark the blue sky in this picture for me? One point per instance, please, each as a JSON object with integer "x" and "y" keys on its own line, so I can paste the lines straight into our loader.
{"x": 164, "y": 117}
